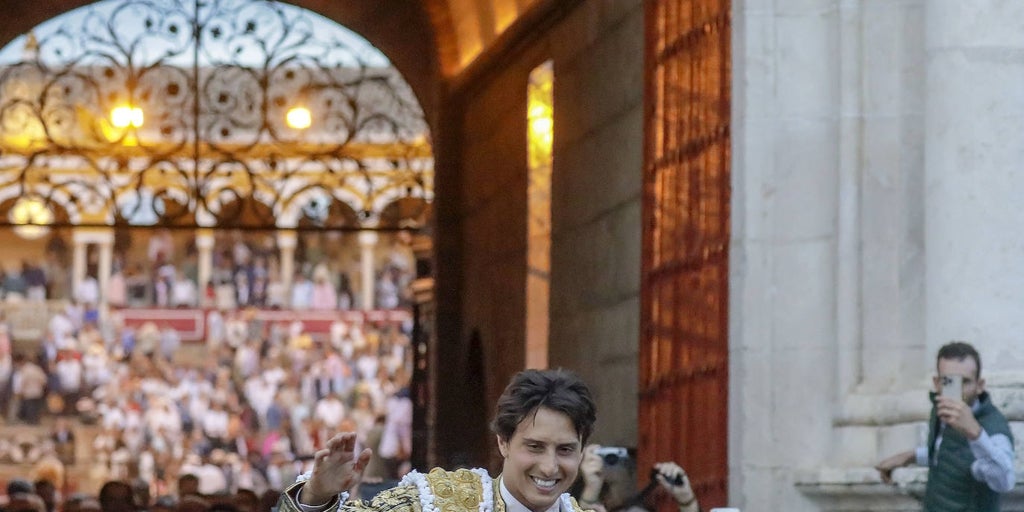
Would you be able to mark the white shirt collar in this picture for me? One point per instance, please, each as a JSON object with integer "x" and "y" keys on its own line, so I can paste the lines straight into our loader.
{"x": 513, "y": 505}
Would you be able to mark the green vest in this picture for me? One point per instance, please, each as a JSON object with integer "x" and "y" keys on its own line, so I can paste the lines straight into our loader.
{"x": 951, "y": 487}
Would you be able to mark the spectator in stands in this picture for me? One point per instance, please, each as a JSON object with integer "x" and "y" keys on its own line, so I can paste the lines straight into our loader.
{"x": 13, "y": 284}
{"x": 188, "y": 485}
{"x": 276, "y": 294}
{"x": 235, "y": 330}
{"x": 346, "y": 298}
{"x": 387, "y": 290}
{"x": 63, "y": 440}
{"x": 161, "y": 246}
{"x": 140, "y": 494}
{"x": 87, "y": 291}
{"x": 137, "y": 286}
{"x": 116, "y": 496}
{"x": 243, "y": 289}
{"x": 184, "y": 293}
{"x": 69, "y": 373}
{"x": 24, "y": 502}
{"x": 323, "y": 296}
{"x": 117, "y": 288}
{"x": 377, "y": 475}
{"x": 47, "y": 492}
{"x": 329, "y": 410}
{"x": 215, "y": 329}
{"x": 35, "y": 281}
{"x": 170, "y": 342}
{"x": 29, "y": 388}
{"x": 81, "y": 502}
{"x": 214, "y": 425}
{"x": 302, "y": 292}
{"x": 19, "y": 485}
{"x": 58, "y": 278}
{"x": 164, "y": 503}
{"x": 396, "y": 439}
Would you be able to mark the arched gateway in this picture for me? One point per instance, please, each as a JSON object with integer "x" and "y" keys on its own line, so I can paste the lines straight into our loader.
{"x": 233, "y": 114}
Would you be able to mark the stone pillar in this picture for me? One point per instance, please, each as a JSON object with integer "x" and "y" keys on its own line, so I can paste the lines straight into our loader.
{"x": 105, "y": 243}
{"x": 77, "y": 260}
{"x": 367, "y": 245}
{"x": 974, "y": 115}
{"x": 287, "y": 240}
{"x": 204, "y": 264}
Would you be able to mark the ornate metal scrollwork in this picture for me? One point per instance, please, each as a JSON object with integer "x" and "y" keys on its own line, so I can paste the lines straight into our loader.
{"x": 212, "y": 83}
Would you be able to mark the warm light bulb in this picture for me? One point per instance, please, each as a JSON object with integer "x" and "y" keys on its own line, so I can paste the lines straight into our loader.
{"x": 125, "y": 116}
{"x": 299, "y": 118}
{"x": 30, "y": 217}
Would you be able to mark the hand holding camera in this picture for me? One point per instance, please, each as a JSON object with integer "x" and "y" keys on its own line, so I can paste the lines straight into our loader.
{"x": 674, "y": 480}
{"x": 590, "y": 470}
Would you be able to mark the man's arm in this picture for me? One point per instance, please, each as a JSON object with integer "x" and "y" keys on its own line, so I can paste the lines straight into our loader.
{"x": 896, "y": 461}
{"x": 993, "y": 462}
{"x": 591, "y": 472}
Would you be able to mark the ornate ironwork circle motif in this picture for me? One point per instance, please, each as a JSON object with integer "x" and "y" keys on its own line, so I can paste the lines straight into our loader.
{"x": 176, "y": 113}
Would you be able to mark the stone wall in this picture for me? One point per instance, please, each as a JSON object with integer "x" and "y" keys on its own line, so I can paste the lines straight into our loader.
{"x": 597, "y": 51}
{"x": 875, "y": 148}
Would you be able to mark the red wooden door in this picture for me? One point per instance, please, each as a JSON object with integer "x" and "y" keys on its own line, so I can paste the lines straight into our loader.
{"x": 684, "y": 344}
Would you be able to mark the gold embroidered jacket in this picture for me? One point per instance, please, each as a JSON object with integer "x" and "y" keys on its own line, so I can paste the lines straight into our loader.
{"x": 464, "y": 490}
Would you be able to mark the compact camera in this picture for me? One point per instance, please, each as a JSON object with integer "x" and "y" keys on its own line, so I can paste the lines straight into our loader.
{"x": 612, "y": 455}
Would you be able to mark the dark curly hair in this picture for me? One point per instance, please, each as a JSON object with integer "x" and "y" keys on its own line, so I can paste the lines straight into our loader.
{"x": 559, "y": 390}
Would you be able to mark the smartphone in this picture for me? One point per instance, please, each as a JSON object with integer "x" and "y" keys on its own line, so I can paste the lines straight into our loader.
{"x": 953, "y": 386}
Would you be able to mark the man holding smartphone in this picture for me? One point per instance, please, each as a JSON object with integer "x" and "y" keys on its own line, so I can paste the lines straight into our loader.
{"x": 970, "y": 448}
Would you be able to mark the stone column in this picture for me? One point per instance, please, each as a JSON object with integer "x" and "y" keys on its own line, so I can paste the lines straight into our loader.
{"x": 367, "y": 245}
{"x": 204, "y": 264}
{"x": 974, "y": 117}
{"x": 287, "y": 240}
{"x": 80, "y": 245}
{"x": 105, "y": 243}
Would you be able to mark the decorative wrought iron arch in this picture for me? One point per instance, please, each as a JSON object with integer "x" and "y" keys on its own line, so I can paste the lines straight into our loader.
{"x": 215, "y": 82}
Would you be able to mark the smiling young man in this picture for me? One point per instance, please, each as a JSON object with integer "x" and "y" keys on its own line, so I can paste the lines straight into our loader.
{"x": 970, "y": 447}
{"x": 543, "y": 420}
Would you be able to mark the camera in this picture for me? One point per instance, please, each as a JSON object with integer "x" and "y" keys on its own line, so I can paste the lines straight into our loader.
{"x": 612, "y": 455}
{"x": 674, "y": 480}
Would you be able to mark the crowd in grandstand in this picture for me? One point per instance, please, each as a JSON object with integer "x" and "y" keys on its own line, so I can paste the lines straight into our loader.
{"x": 245, "y": 417}
{"x": 246, "y": 272}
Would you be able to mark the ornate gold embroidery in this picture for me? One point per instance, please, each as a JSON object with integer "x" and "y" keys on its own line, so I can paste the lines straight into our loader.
{"x": 454, "y": 491}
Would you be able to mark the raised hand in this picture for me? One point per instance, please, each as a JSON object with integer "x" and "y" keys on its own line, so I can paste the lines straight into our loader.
{"x": 667, "y": 478}
{"x": 336, "y": 469}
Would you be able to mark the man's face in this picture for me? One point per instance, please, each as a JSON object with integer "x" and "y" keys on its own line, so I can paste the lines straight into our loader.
{"x": 966, "y": 368}
{"x": 541, "y": 459}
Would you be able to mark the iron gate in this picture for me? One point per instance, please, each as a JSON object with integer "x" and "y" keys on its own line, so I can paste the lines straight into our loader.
{"x": 684, "y": 345}
{"x": 229, "y": 113}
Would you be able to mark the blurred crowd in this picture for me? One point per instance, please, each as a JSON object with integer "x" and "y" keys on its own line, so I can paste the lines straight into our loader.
{"x": 98, "y": 409}
{"x": 246, "y": 272}
{"x": 247, "y": 414}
